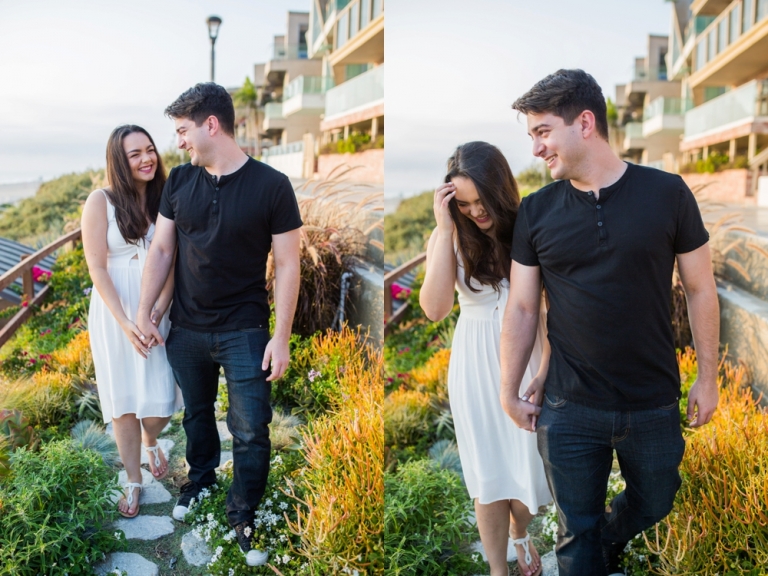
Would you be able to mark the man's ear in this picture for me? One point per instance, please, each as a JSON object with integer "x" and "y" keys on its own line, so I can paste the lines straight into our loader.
{"x": 587, "y": 123}
{"x": 212, "y": 124}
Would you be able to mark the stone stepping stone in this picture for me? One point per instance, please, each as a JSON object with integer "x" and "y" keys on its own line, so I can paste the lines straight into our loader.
{"x": 195, "y": 549}
{"x": 166, "y": 446}
{"x": 153, "y": 491}
{"x": 145, "y": 527}
{"x": 226, "y": 455}
{"x": 133, "y": 564}
{"x": 224, "y": 433}
{"x": 548, "y": 560}
{"x": 511, "y": 550}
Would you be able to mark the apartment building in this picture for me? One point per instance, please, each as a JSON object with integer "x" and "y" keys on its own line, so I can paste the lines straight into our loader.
{"x": 719, "y": 53}
{"x": 650, "y": 110}
{"x": 348, "y": 35}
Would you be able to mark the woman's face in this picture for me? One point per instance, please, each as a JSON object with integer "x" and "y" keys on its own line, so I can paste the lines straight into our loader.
{"x": 469, "y": 204}
{"x": 142, "y": 157}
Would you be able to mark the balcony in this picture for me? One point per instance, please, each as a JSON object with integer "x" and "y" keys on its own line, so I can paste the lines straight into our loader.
{"x": 732, "y": 49}
{"x": 306, "y": 95}
{"x": 708, "y": 7}
{"x": 633, "y": 137}
{"x": 273, "y": 117}
{"x": 736, "y": 113}
{"x": 665, "y": 115}
{"x": 361, "y": 96}
{"x": 359, "y": 33}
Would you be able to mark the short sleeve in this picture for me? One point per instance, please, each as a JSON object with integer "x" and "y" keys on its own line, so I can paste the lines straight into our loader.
{"x": 691, "y": 233}
{"x": 523, "y": 251}
{"x": 285, "y": 214}
{"x": 166, "y": 206}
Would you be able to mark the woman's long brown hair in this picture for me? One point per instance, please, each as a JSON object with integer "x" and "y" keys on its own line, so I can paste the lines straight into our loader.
{"x": 485, "y": 256}
{"x": 130, "y": 215}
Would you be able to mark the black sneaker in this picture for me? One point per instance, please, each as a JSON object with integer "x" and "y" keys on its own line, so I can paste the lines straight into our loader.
{"x": 188, "y": 491}
{"x": 253, "y": 557}
{"x": 612, "y": 557}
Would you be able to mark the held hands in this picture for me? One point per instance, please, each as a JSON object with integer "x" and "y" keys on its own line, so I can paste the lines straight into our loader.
{"x": 151, "y": 334}
{"x": 136, "y": 337}
{"x": 702, "y": 403}
{"x": 524, "y": 411}
{"x": 443, "y": 195}
{"x": 278, "y": 354}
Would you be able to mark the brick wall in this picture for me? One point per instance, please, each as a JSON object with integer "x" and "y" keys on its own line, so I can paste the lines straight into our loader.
{"x": 729, "y": 186}
{"x": 369, "y": 166}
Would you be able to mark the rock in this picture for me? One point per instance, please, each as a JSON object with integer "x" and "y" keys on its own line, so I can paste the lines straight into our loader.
{"x": 226, "y": 455}
{"x": 549, "y": 564}
{"x": 153, "y": 491}
{"x": 133, "y": 564}
{"x": 511, "y": 551}
{"x": 224, "y": 433}
{"x": 195, "y": 549}
{"x": 145, "y": 527}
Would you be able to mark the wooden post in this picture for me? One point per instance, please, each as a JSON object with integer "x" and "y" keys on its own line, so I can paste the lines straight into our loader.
{"x": 705, "y": 153}
{"x": 374, "y": 128}
{"x": 751, "y": 147}
{"x": 28, "y": 283}
{"x": 732, "y": 150}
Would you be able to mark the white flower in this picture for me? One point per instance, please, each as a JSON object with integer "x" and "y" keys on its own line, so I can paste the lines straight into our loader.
{"x": 286, "y": 558}
{"x": 210, "y": 516}
{"x": 277, "y": 460}
{"x": 282, "y": 538}
{"x": 247, "y": 531}
{"x": 268, "y": 502}
{"x": 219, "y": 550}
{"x": 283, "y": 505}
{"x": 231, "y": 572}
{"x": 117, "y": 535}
{"x": 277, "y": 559}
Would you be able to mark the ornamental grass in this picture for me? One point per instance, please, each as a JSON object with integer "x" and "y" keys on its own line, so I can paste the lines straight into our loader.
{"x": 45, "y": 399}
{"x": 75, "y": 357}
{"x": 719, "y": 524}
{"x": 407, "y": 417}
{"x": 340, "y": 522}
{"x": 432, "y": 377}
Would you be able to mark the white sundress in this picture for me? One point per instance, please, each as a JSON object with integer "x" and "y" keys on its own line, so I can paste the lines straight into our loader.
{"x": 128, "y": 383}
{"x": 499, "y": 460}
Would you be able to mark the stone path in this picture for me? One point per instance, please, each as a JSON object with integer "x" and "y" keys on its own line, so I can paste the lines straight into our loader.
{"x": 149, "y": 527}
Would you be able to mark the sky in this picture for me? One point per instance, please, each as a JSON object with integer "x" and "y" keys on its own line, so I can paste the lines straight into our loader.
{"x": 455, "y": 67}
{"x": 70, "y": 72}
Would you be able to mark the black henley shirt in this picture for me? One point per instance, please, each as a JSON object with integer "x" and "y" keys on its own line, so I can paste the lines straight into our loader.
{"x": 607, "y": 267}
{"x": 224, "y": 231}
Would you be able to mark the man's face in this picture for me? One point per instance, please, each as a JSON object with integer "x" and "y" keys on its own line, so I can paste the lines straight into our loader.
{"x": 193, "y": 139}
{"x": 559, "y": 145}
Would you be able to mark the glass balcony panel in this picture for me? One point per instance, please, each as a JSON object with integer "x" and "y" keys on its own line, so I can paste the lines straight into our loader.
{"x": 735, "y": 17}
{"x": 365, "y": 13}
{"x": 633, "y": 130}
{"x": 731, "y": 107}
{"x": 722, "y": 35}
{"x": 342, "y": 30}
{"x": 354, "y": 19}
{"x": 762, "y": 9}
{"x": 701, "y": 54}
{"x": 355, "y": 93}
{"x": 307, "y": 85}
{"x": 378, "y": 7}
{"x": 273, "y": 110}
{"x": 712, "y": 44}
{"x": 664, "y": 106}
{"x": 748, "y": 13}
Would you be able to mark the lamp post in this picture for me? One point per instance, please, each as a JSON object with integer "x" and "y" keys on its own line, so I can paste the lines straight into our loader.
{"x": 213, "y": 32}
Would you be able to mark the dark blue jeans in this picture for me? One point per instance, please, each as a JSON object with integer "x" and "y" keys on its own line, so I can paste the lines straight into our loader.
{"x": 195, "y": 358}
{"x": 576, "y": 443}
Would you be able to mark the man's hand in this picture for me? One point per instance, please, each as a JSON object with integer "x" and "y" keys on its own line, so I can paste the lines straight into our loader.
{"x": 278, "y": 354}
{"x": 149, "y": 330}
{"x": 702, "y": 403}
{"x": 535, "y": 395}
{"x": 524, "y": 414}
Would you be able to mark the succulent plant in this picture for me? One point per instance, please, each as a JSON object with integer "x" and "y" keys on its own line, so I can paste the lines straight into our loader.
{"x": 17, "y": 432}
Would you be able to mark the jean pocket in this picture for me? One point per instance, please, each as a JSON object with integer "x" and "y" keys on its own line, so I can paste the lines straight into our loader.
{"x": 175, "y": 328}
{"x": 554, "y": 401}
{"x": 251, "y": 330}
{"x": 672, "y": 406}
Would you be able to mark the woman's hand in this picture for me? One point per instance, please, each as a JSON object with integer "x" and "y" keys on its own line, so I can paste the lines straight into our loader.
{"x": 135, "y": 337}
{"x": 443, "y": 195}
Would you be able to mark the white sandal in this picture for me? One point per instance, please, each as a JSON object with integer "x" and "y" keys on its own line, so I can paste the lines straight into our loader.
{"x": 524, "y": 543}
{"x": 154, "y": 449}
{"x": 129, "y": 499}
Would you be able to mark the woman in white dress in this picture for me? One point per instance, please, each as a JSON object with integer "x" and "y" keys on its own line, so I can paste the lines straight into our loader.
{"x": 475, "y": 211}
{"x": 136, "y": 387}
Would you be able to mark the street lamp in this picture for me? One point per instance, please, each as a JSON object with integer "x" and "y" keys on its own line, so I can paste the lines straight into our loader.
{"x": 213, "y": 32}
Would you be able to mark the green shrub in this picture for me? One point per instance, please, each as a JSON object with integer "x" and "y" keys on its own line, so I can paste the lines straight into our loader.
{"x": 426, "y": 523}
{"x": 46, "y": 398}
{"x": 411, "y": 224}
{"x": 45, "y": 214}
{"x": 56, "y": 510}
{"x": 407, "y": 417}
{"x": 16, "y": 431}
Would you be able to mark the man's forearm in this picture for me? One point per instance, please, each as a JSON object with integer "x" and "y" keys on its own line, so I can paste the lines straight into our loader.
{"x": 286, "y": 296}
{"x": 153, "y": 279}
{"x": 518, "y": 335}
{"x": 704, "y": 315}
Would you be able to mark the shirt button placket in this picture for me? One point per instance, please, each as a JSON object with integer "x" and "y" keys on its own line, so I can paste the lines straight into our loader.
{"x": 601, "y": 229}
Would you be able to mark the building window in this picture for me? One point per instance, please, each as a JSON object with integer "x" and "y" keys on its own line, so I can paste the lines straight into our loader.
{"x": 749, "y": 11}
{"x": 735, "y": 22}
{"x": 303, "y": 41}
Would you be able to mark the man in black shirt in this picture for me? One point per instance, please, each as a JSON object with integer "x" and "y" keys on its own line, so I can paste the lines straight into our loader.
{"x": 604, "y": 238}
{"x": 224, "y": 211}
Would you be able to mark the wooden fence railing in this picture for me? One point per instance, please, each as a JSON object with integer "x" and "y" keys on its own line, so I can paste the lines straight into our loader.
{"x": 391, "y": 320}
{"x": 24, "y": 270}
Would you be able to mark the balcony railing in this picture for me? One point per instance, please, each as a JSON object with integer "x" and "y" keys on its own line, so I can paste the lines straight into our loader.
{"x": 283, "y": 52}
{"x": 273, "y": 111}
{"x": 291, "y": 148}
{"x": 633, "y": 130}
{"x": 355, "y": 17}
{"x": 741, "y": 104}
{"x": 664, "y": 106}
{"x": 360, "y": 91}
{"x": 307, "y": 85}
{"x": 727, "y": 28}
{"x": 650, "y": 74}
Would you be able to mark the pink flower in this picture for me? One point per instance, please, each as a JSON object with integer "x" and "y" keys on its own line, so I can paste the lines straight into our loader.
{"x": 400, "y": 292}
{"x": 40, "y": 275}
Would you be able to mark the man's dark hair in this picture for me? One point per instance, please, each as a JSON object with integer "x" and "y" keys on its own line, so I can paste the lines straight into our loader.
{"x": 203, "y": 100}
{"x": 566, "y": 93}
